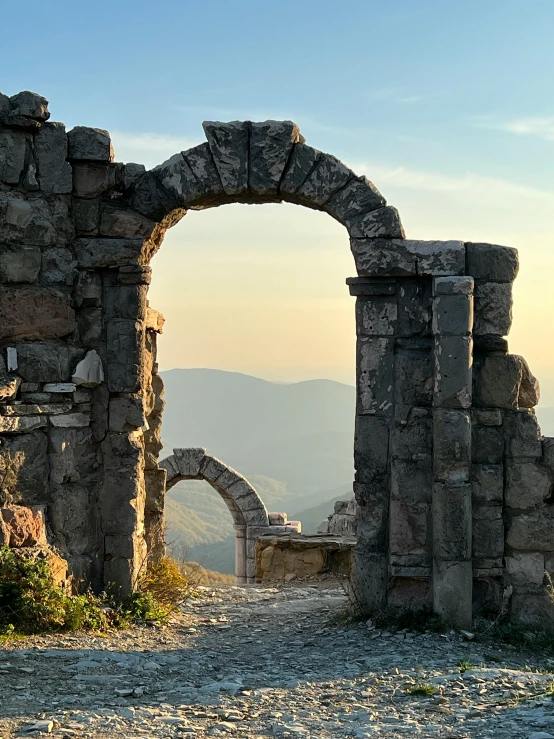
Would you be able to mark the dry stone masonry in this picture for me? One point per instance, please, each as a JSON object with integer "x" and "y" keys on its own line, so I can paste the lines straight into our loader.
{"x": 454, "y": 481}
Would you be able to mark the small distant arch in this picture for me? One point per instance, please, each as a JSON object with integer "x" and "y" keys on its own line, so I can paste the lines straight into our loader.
{"x": 245, "y": 505}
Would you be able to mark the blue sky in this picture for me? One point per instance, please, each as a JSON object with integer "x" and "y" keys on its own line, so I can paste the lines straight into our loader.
{"x": 447, "y": 105}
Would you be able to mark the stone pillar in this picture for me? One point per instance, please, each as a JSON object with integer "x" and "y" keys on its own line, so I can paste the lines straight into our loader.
{"x": 376, "y": 321}
{"x": 240, "y": 554}
{"x": 451, "y": 506}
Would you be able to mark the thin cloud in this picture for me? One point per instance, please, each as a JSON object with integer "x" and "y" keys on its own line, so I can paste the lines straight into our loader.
{"x": 539, "y": 127}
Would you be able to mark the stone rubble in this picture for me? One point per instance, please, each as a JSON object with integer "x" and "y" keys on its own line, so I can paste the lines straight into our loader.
{"x": 259, "y": 662}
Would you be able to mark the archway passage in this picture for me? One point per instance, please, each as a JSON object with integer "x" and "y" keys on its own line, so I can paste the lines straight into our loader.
{"x": 250, "y": 515}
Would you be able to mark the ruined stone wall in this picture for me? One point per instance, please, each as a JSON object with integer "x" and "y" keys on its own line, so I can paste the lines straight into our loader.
{"x": 453, "y": 478}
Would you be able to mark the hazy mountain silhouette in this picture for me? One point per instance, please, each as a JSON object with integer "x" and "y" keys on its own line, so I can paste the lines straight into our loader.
{"x": 292, "y": 441}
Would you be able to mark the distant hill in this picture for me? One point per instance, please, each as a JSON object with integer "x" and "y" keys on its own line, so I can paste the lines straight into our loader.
{"x": 292, "y": 441}
{"x": 300, "y": 434}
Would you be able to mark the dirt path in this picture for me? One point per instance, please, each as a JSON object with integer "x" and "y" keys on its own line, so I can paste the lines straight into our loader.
{"x": 264, "y": 662}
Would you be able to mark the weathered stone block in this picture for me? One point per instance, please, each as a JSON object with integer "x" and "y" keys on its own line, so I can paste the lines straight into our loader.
{"x": 326, "y": 178}
{"x": 33, "y": 314}
{"x": 410, "y": 440}
{"x": 528, "y": 485}
{"x": 413, "y": 377}
{"x": 452, "y": 518}
{"x": 376, "y": 317}
{"x": 411, "y": 482}
{"x": 134, "y": 274}
{"x": 372, "y": 516}
{"x": 86, "y": 216}
{"x": 453, "y": 371}
{"x": 119, "y": 223}
{"x": 529, "y": 390}
{"x": 452, "y": 315}
{"x": 414, "y": 308}
{"x": 302, "y": 161}
{"x": 533, "y": 531}
{"x": 371, "y": 286}
{"x": 452, "y": 588}
{"x": 208, "y": 183}
{"x": 497, "y": 381}
{"x": 176, "y": 178}
{"x": 70, "y": 420}
{"x": 487, "y": 483}
{"x": 405, "y": 258}
{"x": 270, "y": 146}
{"x": 90, "y": 144}
{"x": 21, "y": 526}
{"x": 131, "y": 173}
{"x": 492, "y": 262}
{"x": 488, "y": 531}
{"x": 368, "y": 578}
{"x": 34, "y": 220}
{"x": 88, "y": 291}
{"x": 46, "y": 361}
{"x": 126, "y": 302}
{"x": 23, "y": 461}
{"x": 382, "y": 223}
{"x": 493, "y": 308}
{"x": 13, "y": 149}
{"x": 72, "y": 517}
{"x": 124, "y": 355}
{"x": 228, "y": 144}
{"x": 126, "y": 413}
{"x": 375, "y": 370}
{"x": 277, "y": 519}
{"x": 58, "y": 266}
{"x": 548, "y": 452}
{"x": 371, "y": 443}
{"x": 30, "y": 105}
{"x": 189, "y": 462}
{"x": 486, "y": 417}
{"x": 409, "y": 527}
{"x": 451, "y": 445}
{"x": 89, "y": 323}
{"x": 523, "y": 435}
{"x": 96, "y": 253}
{"x": 487, "y": 444}
{"x": 91, "y": 180}
{"x": 19, "y": 263}
{"x": 358, "y": 197}
{"x": 54, "y": 171}
{"x": 526, "y": 568}
{"x": 453, "y": 286}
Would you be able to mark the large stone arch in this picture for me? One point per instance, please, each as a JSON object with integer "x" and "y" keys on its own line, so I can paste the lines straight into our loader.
{"x": 245, "y": 505}
{"x": 453, "y": 476}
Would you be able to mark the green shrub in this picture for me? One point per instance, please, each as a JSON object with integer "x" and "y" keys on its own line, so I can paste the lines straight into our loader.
{"x": 31, "y": 602}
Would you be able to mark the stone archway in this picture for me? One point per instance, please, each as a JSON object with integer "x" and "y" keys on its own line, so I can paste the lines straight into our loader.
{"x": 453, "y": 477}
{"x": 250, "y": 516}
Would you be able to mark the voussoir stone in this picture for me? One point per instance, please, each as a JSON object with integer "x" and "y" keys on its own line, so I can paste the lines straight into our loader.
{"x": 382, "y": 223}
{"x": 358, "y": 197}
{"x": 91, "y": 144}
{"x": 33, "y": 314}
{"x": 270, "y": 146}
{"x": 326, "y": 178}
{"x": 189, "y": 461}
{"x": 228, "y": 144}
{"x": 302, "y": 161}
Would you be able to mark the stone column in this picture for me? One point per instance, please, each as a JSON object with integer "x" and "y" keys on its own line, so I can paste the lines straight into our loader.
{"x": 376, "y": 320}
{"x": 240, "y": 554}
{"x": 451, "y": 506}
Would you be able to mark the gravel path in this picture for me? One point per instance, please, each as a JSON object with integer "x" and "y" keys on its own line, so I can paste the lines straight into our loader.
{"x": 261, "y": 662}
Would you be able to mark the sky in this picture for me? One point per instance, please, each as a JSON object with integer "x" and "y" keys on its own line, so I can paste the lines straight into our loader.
{"x": 447, "y": 106}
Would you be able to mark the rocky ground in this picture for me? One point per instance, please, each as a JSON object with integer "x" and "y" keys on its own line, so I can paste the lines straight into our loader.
{"x": 264, "y": 662}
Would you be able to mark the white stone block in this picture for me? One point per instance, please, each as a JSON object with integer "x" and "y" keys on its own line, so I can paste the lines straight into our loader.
{"x": 11, "y": 357}
{"x": 70, "y": 420}
{"x": 59, "y": 387}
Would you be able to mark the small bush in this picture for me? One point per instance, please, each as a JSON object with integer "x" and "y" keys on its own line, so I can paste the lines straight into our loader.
{"x": 421, "y": 689}
{"x": 32, "y": 603}
{"x": 464, "y": 665}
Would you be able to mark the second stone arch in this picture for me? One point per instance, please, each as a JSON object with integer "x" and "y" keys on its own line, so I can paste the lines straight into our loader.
{"x": 250, "y": 516}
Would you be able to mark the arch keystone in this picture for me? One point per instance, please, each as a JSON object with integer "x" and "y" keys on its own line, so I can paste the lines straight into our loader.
{"x": 189, "y": 461}
{"x": 270, "y": 146}
{"x": 228, "y": 144}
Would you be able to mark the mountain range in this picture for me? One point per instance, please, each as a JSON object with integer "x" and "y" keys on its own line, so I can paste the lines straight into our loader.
{"x": 293, "y": 441}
